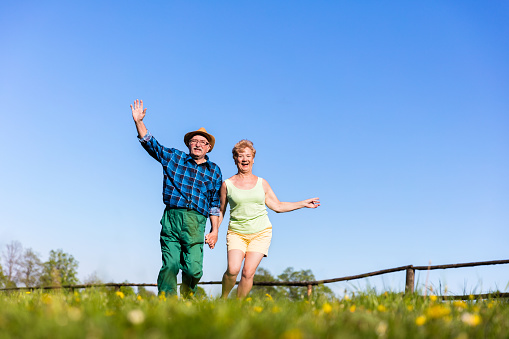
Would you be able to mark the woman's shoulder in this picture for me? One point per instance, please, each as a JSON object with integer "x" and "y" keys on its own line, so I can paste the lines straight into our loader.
{"x": 230, "y": 181}
{"x": 265, "y": 184}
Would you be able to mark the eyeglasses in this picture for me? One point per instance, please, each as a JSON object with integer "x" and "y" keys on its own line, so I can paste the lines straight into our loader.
{"x": 199, "y": 142}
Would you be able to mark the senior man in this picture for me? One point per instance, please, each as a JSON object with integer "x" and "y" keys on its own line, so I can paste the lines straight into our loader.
{"x": 191, "y": 189}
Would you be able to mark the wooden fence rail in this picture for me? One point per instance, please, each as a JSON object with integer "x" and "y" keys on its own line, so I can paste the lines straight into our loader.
{"x": 409, "y": 282}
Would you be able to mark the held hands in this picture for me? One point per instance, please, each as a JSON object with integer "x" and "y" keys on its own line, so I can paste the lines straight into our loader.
{"x": 138, "y": 111}
{"x": 211, "y": 239}
{"x": 311, "y": 203}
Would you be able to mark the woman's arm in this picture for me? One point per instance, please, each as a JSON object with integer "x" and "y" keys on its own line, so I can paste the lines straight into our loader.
{"x": 281, "y": 206}
{"x": 223, "y": 200}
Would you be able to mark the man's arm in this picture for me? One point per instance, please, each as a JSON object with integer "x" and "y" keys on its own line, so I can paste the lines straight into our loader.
{"x": 215, "y": 220}
{"x": 211, "y": 238}
{"x": 138, "y": 115}
{"x": 148, "y": 142}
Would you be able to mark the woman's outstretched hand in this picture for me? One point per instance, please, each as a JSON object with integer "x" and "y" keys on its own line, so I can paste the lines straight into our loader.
{"x": 311, "y": 203}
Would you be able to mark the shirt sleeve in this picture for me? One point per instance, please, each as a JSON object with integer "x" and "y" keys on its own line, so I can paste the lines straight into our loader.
{"x": 156, "y": 150}
{"x": 216, "y": 202}
{"x": 145, "y": 138}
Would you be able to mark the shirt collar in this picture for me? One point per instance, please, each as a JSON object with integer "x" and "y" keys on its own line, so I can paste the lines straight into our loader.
{"x": 206, "y": 163}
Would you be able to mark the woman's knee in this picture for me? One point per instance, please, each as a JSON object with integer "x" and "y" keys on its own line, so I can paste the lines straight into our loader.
{"x": 233, "y": 271}
{"x": 248, "y": 273}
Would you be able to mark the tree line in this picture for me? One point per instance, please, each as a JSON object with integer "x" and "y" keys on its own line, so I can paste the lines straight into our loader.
{"x": 24, "y": 267}
{"x": 287, "y": 292}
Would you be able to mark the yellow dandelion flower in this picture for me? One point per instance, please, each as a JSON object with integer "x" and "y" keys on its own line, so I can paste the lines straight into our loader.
{"x": 352, "y": 308}
{"x": 269, "y": 297}
{"x": 471, "y": 319}
{"x": 459, "y": 304}
{"x": 46, "y": 298}
{"x": 420, "y": 320}
{"x": 433, "y": 297}
{"x": 292, "y": 334}
{"x": 437, "y": 311}
{"x": 120, "y": 294}
{"x": 249, "y": 299}
{"x": 162, "y": 296}
{"x": 491, "y": 304}
{"x": 471, "y": 297}
{"x": 381, "y": 308}
{"x": 258, "y": 309}
{"x": 139, "y": 297}
{"x": 28, "y": 292}
{"x": 327, "y": 308}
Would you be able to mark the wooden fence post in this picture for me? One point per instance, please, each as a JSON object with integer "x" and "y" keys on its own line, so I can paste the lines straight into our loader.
{"x": 310, "y": 289}
{"x": 410, "y": 274}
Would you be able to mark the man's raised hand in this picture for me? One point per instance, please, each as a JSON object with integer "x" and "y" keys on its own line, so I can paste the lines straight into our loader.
{"x": 138, "y": 111}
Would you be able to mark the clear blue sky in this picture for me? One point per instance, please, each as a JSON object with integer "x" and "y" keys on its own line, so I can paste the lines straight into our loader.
{"x": 395, "y": 114}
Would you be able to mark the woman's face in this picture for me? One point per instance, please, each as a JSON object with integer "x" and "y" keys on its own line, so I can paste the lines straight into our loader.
{"x": 244, "y": 160}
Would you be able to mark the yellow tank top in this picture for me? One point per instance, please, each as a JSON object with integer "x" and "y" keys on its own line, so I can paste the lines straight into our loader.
{"x": 248, "y": 213}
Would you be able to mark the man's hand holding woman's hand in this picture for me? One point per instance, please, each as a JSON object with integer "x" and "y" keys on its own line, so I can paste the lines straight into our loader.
{"x": 211, "y": 239}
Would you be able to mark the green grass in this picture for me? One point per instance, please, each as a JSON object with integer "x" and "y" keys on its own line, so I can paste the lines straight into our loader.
{"x": 108, "y": 314}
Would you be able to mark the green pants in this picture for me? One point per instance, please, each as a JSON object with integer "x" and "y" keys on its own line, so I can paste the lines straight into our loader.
{"x": 182, "y": 239}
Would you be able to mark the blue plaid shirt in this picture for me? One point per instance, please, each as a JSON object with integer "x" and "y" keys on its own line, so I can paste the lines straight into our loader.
{"x": 186, "y": 184}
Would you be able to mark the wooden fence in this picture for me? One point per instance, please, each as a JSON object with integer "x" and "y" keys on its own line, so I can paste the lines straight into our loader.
{"x": 409, "y": 285}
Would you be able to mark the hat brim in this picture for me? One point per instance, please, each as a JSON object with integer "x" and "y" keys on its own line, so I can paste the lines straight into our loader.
{"x": 207, "y": 136}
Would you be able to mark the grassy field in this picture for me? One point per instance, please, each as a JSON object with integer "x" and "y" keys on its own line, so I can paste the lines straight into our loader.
{"x": 110, "y": 314}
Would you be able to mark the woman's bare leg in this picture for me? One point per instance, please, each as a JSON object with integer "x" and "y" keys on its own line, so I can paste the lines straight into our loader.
{"x": 235, "y": 258}
{"x": 251, "y": 263}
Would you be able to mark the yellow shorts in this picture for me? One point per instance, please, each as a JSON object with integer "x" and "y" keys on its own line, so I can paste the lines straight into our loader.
{"x": 255, "y": 242}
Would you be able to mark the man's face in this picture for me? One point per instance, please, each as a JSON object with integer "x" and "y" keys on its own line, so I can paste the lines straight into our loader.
{"x": 244, "y": 160}
{"x": 198, "y": 147}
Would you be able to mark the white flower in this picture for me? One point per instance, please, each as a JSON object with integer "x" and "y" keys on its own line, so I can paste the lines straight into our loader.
{"x": 471, "y": 319}
{"x": 136, "y": 317}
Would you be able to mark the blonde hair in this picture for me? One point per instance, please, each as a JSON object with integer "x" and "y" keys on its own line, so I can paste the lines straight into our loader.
{"x": 244, "y": 143}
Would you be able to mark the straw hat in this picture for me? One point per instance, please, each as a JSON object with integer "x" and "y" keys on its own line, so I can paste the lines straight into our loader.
{"x": 203, "y": 132}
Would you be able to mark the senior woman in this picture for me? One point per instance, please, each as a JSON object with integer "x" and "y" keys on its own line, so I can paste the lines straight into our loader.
{"x": 249, "y": 230}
